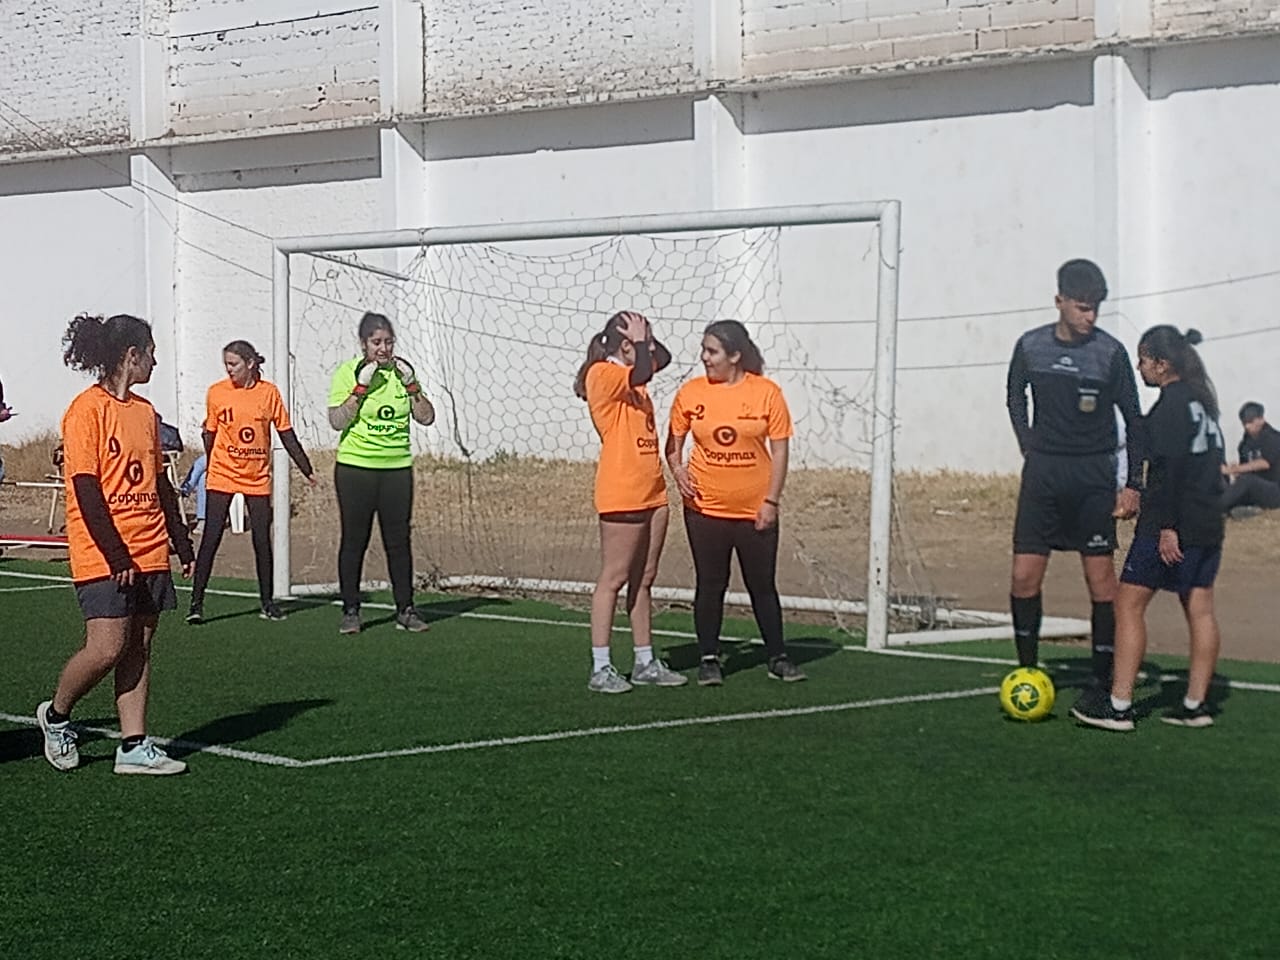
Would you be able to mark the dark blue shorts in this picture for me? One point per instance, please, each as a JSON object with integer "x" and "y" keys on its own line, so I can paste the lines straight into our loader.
{"x": 1144, "y": 568}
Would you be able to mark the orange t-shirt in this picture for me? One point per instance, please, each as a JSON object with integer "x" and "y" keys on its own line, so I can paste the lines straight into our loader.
{"x": 730, "y": 464}
{"x": 240, "y": 420}
{"x": 629, "y": 474}
{"x": 117, "y": 442}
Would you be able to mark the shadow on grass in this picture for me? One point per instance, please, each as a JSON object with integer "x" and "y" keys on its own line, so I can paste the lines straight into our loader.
{"x": 240, "y": 727}
{"x": 739, "y": 655}
{"x": 437, "y": 610}
{"x": 25, "y": 743}
{"x": 1157, "y": 689}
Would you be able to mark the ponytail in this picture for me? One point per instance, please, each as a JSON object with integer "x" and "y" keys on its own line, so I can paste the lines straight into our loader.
{"x": 734, "y": 338}
{"x": 99, "y": 346}
{"x": 1179, "y": 351}
{"x": 603, "y": 344}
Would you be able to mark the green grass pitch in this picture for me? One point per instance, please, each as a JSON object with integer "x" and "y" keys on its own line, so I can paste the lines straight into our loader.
{"x": 883, "y": 809}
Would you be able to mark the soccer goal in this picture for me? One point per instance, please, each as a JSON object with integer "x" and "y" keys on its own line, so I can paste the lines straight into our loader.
{"x": 496, "y": 319}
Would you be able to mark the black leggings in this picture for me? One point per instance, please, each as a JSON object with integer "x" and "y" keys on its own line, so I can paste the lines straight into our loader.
{"x": 713, "y": 541}
{"x": 217, "y": 507}
{"x": 361, "y": 494}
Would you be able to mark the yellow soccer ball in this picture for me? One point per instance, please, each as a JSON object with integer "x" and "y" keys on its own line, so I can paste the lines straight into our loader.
{"x": 1027, "y": 694}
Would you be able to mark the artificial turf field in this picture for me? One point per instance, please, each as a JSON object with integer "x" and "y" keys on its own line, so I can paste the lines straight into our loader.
{"x": 393, "y": 795}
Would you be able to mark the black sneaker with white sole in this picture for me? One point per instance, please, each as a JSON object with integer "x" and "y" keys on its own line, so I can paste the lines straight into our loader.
{"x": 781, "y": 668}
{"x": 709, "y": 673}
{"x": 270, "y": 611}
{"x": 1184, "y": 716}
{"x": 1097, "y": 711}
{"x": 195, "y": 614}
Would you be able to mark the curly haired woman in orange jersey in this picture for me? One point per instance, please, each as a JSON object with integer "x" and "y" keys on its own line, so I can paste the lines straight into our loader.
{"x": 122, "y": 515}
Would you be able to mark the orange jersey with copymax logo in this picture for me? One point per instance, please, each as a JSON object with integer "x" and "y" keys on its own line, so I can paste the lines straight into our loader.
{"x": 116, "y": 442}
{"x": 629, "y": 474}
{"x": 731, "y": 423}
{"x": 240, "y": 419}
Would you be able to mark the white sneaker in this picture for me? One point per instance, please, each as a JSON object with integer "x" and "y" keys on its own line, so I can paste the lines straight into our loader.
{"x": 59, "y": 740}
{"x": 608, "y": 680}
{"x": 658, "y": 674}
{"x": 147, "y": 758}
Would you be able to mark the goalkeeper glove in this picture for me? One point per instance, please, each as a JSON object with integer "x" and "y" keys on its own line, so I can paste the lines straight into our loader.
{"x": 405, "y": 371}
{"x": 364, "y": 377}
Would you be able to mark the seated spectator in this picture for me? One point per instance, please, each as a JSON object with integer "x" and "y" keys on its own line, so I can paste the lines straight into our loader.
{"x": 194, "y": 483}
{"x": 1255, "y": 480}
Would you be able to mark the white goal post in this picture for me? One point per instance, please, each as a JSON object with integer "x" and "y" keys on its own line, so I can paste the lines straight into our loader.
{"x": 884, "y": 214}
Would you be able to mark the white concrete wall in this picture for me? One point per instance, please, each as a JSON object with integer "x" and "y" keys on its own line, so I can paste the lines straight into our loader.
{"x": 1156, "y": 165}
{"x": 516, "y": 53}
{"x": 238, "y": 66}
{"x": 65, "y": 78}
{"x": 1219, "y": 247}
{"x": 1193, "y": 17}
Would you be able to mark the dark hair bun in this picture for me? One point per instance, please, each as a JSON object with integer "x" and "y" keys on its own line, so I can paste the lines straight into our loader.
{"x": 1192, "y": 336}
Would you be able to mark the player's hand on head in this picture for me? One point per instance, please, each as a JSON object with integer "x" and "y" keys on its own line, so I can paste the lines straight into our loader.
{"x": 405, "y": 371}
{"x": 364, "y": 376}
{"x": 635, "y": 327}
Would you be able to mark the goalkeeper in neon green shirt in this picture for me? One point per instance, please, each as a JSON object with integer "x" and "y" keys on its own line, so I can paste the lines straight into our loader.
{"x": 371, "y": 401}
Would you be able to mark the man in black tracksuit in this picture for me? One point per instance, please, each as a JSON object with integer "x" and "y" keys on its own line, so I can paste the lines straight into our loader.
{"x": 1255, "y": 480}
{"x": 1078, "y": 376}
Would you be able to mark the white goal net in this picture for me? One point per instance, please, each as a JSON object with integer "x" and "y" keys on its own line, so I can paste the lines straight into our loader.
{"x": 497, "y": 329}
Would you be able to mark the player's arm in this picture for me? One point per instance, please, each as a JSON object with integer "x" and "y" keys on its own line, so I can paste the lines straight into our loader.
{"x": 1126, "y": 394}
{"x": 176, "y": 529}
{"x": 420, "y": 408}
{"x": 661, "y": 355}
{"x": 206, "y": 438}
{"x": 344, "y": 412}
{"x": 97, "y": 519}
{"x": 674, "y": 450}
{"x": 289, "y": 440}
{"x": 780, "y": 453}
{"x": 642, "y": 370}
{"x": 1016, "y": 398}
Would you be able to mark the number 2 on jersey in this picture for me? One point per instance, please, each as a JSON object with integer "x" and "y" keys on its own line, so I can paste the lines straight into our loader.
{"x": 1206, "y": 429}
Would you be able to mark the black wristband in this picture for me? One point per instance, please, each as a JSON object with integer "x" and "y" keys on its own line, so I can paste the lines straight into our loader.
{"x": 772, "y": 503}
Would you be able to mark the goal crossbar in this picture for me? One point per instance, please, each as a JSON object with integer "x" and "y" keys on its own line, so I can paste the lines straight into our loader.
{"x": 884, "y": 213}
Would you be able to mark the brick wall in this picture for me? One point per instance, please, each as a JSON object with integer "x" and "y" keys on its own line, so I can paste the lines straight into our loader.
{"x": 61, "y": 66}
{"x": 485, "y": 53}
{"x": 290, "y": 72}
{"x": 1194, "y": 17}
{"x": 782, "y": 36}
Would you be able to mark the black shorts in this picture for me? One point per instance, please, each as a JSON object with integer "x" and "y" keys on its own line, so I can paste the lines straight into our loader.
{"x": 150, "y": 594}
{"x": 1144, "y": 568}
{"x": 629, "y": 516}
{"x": 1065, "y": 503}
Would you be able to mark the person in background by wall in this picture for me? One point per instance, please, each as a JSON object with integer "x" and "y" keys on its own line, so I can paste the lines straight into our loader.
{"x": 1254, "y": 482}
{"x": 371, "y": 401}
{"x": 1177, "y": 545}
{"x": 122, "y": 514}
{"x": 240, "y": 412}
{"x": 732, "y": 489}
{"x": 1078, "y": 376}
{"x": 194, "y": 482}
{"x": 630, "y": 495}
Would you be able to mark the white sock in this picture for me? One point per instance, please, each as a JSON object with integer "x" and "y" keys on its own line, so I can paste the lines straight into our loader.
{"x": 644, "y": 656}
{"x": 1119, "y": 706}
{"x": 1191, "y": 704}
{"x": 599, "y": 658}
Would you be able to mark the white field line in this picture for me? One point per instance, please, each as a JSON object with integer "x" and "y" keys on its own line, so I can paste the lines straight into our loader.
{"x": 252, "y": 756}
{"x": 46, "y": 586}
{"x": 682, "y": 635}
{"x": 653, "y": 725}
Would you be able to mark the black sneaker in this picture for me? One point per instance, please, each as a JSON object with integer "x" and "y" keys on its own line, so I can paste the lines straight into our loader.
{"x": 1180, "y": 716}
{"x": 1092, "y": 698}
{"x": 709, "y": 674}
{"x": 781, "y": 668}
{"x": 270, "y": 612}
{"x": 408, "y": 619}
{"x": 1095, "y": 710}
{"x": 195, "y": 614}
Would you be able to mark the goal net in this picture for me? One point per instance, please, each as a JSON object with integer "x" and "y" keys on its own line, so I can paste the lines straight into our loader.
{"x": 497, "y": 325}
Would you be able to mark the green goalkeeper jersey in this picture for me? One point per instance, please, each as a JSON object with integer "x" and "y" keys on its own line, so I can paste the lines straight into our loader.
{"x": 378, "y": 438}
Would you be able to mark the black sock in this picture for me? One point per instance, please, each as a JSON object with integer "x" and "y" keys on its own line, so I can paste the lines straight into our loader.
{"x": 53, "y": 716}
{"x": 1103, "y": 621}
{"x": 1026, "y": 628}
{"x": 128, "y": 743}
